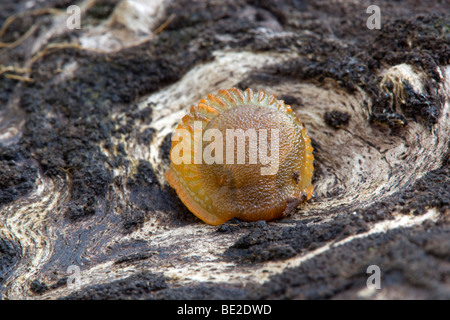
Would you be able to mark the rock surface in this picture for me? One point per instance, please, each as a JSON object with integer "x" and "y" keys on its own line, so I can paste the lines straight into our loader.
{"x": 86, "y": 117}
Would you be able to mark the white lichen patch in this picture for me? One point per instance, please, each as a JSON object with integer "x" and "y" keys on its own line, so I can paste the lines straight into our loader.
{"x": 400, "y": 73}
{"x": 24, "y": 222}
{"x": 132, "y": 22}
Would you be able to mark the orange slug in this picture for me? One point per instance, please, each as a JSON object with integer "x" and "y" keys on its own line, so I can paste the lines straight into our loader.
{"x": 241, "y": 154}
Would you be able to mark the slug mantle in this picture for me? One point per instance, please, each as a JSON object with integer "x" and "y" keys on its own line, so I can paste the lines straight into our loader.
{"x": 241, "y": 155}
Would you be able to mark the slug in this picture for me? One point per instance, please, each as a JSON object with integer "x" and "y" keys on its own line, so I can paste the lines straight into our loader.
{"x": 241, "y": 154}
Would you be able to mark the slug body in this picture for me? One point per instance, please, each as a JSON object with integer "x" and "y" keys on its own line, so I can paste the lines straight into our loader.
{"x": 218, "y": 179}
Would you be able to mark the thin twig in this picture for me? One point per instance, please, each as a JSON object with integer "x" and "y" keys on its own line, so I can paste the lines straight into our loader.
{"x": 31, "y": 13}
{"x": 17, "y": 77}
{"x": 165, "y": 24}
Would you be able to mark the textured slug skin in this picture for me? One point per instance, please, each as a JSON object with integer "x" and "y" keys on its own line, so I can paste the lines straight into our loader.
{"x": 218, "y": 192}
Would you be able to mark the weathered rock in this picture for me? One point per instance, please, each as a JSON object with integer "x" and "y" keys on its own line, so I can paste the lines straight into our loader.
{"x": 85, "y": 138}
